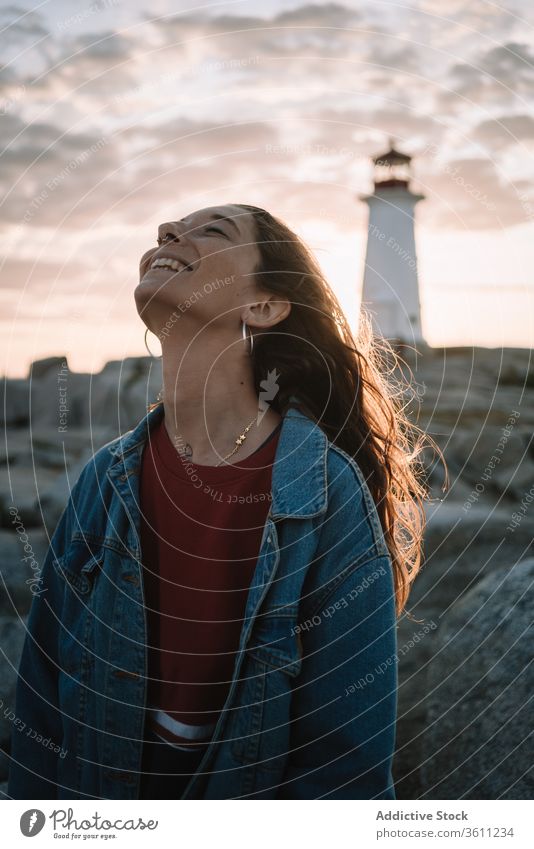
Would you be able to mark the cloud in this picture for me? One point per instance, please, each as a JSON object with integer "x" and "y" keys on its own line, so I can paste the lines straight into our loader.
{"x": 504, "y": 131}
{"x": 390, "y": 120}
{"x": 88, "y": 66}
{"x": 23, "y": 25}
{"x": 127, "y": 122}
{"x": 48, "y": 173}
{"x": 495, "y": 76}
{"x": 510, "y": 63}
{"x": 326, "y": 15}
{"x": 470, "y": 194}
{"x": 309, "y": 31}
{"x": 81, "y": 178}
{"x": 26, "y": 40}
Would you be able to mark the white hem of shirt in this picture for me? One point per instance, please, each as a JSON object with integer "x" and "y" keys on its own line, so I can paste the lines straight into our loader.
{"x": 181, "y": 729}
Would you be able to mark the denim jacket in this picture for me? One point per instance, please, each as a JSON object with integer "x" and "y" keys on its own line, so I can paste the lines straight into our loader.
{"x": 311, "y": 708}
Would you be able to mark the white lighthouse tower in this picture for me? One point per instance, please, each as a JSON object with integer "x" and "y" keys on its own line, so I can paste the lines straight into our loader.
{"x": 390, "y": 286}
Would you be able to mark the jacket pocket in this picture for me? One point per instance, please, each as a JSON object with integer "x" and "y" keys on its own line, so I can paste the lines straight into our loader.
{"x": 275, "y": 643}
{"x": 79, "y": 566}
{"x": 261, "y": 724}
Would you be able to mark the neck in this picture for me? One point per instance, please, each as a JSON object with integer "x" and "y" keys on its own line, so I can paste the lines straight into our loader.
{"x": 209, "y": 398}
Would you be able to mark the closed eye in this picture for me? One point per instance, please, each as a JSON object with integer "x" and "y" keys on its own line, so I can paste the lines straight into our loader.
{"x": 206, "y": 230}
{"x": 217, "y": 230}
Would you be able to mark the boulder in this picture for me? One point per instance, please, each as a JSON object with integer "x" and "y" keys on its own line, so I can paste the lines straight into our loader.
{"x": 15, "y": 411}
{"x": 480, "y": 685}
{"x": 461, "y": 548}
{"x": 22, "y": 489}
{"x": 60, "y": 399}
{"x": 12, "y": 633}
{"x": 4, "y": 766}
{"x": 41, "y": 367}
{"x": 122, "y": 391}
{"x": 492, "y": 460}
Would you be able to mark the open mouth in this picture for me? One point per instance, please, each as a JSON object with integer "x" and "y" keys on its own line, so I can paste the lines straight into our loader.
{"x": 167, "y": 262}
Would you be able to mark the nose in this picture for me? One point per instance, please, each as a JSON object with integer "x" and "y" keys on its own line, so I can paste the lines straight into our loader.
{"x": 171, "y": 230}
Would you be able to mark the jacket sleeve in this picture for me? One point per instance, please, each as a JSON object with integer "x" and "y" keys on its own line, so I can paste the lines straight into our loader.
{"x": 37, "y": 726}
{"x": 344, "y": 703}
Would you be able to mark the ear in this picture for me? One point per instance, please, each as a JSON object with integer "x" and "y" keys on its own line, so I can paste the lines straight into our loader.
{"x": 267, "y": 312}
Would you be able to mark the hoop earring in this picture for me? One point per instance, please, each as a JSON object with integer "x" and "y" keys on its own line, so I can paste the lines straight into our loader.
{"x": 251, "y": 337}
{"x": 148, "y": 349}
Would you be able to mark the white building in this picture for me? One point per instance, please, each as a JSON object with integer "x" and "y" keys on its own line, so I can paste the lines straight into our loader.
{"x": 390, "y": 285}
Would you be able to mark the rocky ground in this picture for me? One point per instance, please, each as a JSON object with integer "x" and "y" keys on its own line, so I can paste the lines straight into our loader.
{"x": 465, "y": 680}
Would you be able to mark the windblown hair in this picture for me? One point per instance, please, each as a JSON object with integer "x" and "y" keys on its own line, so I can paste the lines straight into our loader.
{"x": 345, "y": 387}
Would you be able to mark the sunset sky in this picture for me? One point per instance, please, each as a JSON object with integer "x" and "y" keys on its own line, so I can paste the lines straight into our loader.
{"x": 117, "y": 116}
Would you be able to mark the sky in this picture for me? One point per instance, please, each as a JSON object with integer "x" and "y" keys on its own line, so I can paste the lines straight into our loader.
{"x": 117, "y": 116}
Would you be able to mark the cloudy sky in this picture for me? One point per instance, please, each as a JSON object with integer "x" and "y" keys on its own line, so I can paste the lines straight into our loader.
{"x": 115, "y": 119}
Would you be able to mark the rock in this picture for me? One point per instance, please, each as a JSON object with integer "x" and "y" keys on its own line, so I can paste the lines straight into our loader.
{"x": 479, "y": 688}
{"x": 415, "y": 645}
{"x": 41, "y": 367}
{"x": 122, "y": 392}
{"x": 43, "y": 465}
{"x": 461, "y": 548}
{"x": 517, "y": 372}
{"x": 16, "y": 449}
{"x": 12, "y": 633}
{"x": 15, "y": 412}
{"x": 22, "y": 490}
{"x": 4, "y": 765}
{"x": 493, "y": 460}
{"x": 60, "y": 399}
{"x": 116, "y": 397}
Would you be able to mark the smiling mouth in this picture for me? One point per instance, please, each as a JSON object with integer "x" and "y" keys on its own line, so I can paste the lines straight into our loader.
{"x": 173, "y": 264}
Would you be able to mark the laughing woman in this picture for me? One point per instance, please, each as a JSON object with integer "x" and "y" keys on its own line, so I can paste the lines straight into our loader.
{"x": 220, "y": 597}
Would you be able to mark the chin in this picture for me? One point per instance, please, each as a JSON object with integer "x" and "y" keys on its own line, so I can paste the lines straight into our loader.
{"x": 143, "y": 294}
{"x": 151, "y": 297}
{"x": 151, "y": 281}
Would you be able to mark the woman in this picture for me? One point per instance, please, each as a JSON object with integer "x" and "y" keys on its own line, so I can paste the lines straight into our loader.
{"x": 221, "y": 592}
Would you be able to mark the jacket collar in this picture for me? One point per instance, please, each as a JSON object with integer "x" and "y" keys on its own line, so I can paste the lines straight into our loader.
{"x": 299, "y": 487}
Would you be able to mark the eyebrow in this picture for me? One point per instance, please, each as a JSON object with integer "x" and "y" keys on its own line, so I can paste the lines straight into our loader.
{"x": 217, "y": 217}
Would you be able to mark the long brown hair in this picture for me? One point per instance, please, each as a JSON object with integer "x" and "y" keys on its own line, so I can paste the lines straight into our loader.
{"x": 346, "y": 387}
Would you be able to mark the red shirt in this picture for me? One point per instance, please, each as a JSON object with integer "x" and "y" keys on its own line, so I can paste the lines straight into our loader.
{"x": 201, "y": 530}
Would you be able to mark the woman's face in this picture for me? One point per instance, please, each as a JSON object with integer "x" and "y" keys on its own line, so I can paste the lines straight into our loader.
{"x": 201, "y": 265}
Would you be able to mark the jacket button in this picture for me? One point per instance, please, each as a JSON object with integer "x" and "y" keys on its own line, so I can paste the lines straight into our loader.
{"x": 124, "y": 673}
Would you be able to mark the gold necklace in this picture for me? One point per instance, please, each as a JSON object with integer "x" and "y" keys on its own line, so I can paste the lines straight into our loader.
{"x": 239, "y": 441}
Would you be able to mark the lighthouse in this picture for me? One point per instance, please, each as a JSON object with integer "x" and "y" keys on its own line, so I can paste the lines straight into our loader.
{"x": 390, "y": 291}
